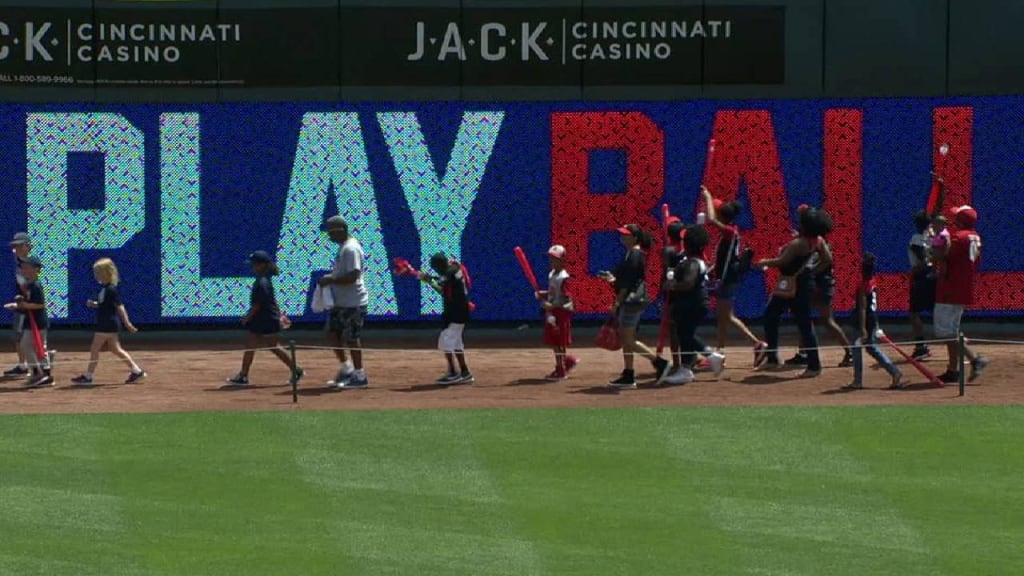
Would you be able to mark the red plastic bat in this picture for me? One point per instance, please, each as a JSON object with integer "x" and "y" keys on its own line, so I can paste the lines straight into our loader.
{"x": 403, "y": 267}
{"x": 527, "y": 269}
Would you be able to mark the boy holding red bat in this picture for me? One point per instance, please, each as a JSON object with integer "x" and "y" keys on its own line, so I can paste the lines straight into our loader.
{"x": 452, "y": 283}
{"x": 558, "y": 308}
{"x": 31, "y": 304}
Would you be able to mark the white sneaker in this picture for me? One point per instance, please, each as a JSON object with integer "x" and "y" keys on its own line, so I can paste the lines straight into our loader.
{"x": 681, "y": 375}
{"x": 717, "y": 363}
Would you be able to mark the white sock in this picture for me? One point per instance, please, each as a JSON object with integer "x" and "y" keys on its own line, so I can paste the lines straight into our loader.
{"x": 346, "y": 367}
{"x": 136, "y": 369}
{"x": 360, "y": 373}
{"x": 88, "y": 375}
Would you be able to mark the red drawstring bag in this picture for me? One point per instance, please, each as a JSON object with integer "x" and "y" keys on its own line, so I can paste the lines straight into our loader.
{"x": 608, "y": 335}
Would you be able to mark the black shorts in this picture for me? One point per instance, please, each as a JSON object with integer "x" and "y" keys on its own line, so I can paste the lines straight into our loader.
{"x": 824, "y": 292}
{"x": 922, "y": 294}
{"x": 727, "y": 290}
{"x": 265, "y": 328}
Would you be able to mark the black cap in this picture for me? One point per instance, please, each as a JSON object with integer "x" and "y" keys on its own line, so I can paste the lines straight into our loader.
{"x": 31, "y": 260}
{"x": 19, "y": 239}
{"x": 261, "y": 257}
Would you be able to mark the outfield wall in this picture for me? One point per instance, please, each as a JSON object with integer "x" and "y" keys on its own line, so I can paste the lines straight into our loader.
{"x": 178, "y": 195}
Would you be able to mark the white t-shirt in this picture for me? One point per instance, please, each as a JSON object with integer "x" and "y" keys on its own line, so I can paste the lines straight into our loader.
{"x": 556, "y": 295}
{"x": 350, "y": 257}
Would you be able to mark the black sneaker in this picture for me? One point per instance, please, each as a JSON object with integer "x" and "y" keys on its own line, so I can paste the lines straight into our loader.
{"x": 42, "y": 381}
{"x": 921, "y": 352}
{"x": 82, "y": 380}
{"x": 236, "y": 381}
{"x": 466, "y": 378}
{"x": 950, "y": 377}
{"x": 16, "y": 372}
{"x": 661, "y": 368}
{"x": 977, "y": 367}
{"x": 799, "y": 359}
{"x": 448, "y": 379}
{"x": 627, "y": 380}
{"x": 135, "y": 378}
{"x": 297, "y": 376}
{"x": 847, "y": 360}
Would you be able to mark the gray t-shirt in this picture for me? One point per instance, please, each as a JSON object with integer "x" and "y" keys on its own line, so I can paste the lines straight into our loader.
{"x": 350, "y": 257}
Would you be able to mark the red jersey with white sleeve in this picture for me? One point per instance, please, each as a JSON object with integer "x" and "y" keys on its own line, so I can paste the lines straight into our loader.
{"x": 956, "y": 282}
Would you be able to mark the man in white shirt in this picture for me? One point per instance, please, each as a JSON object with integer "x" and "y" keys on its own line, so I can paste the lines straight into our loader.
{"x": 345, "y": 319}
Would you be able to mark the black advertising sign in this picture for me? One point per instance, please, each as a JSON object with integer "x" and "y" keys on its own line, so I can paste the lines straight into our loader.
{"x": 408, "y": 46}
{"x": 562, "y": 46}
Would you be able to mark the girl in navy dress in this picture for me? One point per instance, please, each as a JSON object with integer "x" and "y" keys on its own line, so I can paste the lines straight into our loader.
{"x": 111, "y": 316}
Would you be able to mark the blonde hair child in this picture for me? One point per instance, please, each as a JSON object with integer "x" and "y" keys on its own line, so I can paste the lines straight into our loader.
{"x": 111, "y": 315}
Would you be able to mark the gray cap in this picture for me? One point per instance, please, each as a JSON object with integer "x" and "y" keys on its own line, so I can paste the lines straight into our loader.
{"x": 19, "y": 239}
{"x": 335, "y": 222}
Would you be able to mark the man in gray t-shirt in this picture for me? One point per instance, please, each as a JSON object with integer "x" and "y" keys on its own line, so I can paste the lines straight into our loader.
{"x": 345, "y": 319}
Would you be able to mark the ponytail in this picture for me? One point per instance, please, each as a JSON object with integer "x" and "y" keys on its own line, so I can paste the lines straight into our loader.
{"x": 643, "y": 239}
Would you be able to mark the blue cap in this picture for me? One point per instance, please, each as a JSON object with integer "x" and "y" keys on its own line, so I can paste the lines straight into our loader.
{"x": 261, "y": 257}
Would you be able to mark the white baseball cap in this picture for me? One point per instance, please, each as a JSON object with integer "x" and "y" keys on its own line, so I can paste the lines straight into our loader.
{"x": 558, "y": 251}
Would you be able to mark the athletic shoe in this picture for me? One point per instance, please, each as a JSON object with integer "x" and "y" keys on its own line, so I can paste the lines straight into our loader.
{"x": 808, "y": 373}
{"x": 717, "y": 362}
{"x": 42, "y": 381}
{"x": 852, "y": 386}
{"x": 237, "y": 381}
{"x": 16, "y": 372}
{"x": 949, "y": 377}
{"x": 769, "y": 366}
{"x": 977, "y": 367}
{"x": 702, "y": 364}
{"x": 897, "y": 380}
{"x": 136, "y": 378}
{"x": 570, "y": 363}
{"x": 681, "y": 375}
{"x": 661, "y": 367}
{"x": 760, "y": 353}
{"x": 556, "y": 375}
{"x": 921, "y": 352}
{"x": 82, "y": 380}
{"x": 466, "y": 378}
{"x": 341, "y": 378}
{"x": 847, "y": 360}
{"x": 448, "y": 379}
{"x": 626, "y": 380}
{"x": 297, "y": 376}
{"x": 357, "y": 381}
{"x": 799, "y": 359}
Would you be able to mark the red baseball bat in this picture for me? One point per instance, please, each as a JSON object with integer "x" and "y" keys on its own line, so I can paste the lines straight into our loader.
{"x": 663, "y": 325}
{"x": 37, "y": 337}
{"x": 913, "y": 361}
{"x": 527, "y": 269}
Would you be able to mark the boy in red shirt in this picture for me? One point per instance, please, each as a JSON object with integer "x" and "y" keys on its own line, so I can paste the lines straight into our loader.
{"x": 955, "y": 290}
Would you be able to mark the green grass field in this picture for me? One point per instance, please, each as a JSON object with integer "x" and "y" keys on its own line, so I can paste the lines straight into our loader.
{"x": 857, "y": 491}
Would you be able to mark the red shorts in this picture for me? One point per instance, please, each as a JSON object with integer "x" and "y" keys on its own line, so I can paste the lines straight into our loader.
{"x": 559, "y": 332}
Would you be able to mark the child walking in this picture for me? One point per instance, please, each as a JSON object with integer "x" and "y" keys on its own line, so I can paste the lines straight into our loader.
{"x": 865, "y": 318}
{"x": 263, "y": 321}
{"x": 111, "y": 315}
{"x": 558, "y": 308}
{"x": 691, "y": 303}
{"x": 452, "y": 284}
{"x": 31, "y": 307}
{"x": 21, "y": 247}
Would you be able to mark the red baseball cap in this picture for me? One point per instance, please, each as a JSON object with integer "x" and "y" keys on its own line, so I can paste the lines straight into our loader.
{"x": 802, "y": 207}
{"x": 965, "y": 217}
{"x": 717, "y": 203}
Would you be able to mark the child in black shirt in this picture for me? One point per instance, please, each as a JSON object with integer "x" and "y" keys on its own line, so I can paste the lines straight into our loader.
{"x": 452, "y": 283}
{"x": 110, "y": 316}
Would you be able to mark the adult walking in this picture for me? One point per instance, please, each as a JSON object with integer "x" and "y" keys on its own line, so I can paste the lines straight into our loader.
{"x": 631, "y": 298}
{"x": 794, "y": 292}
{"x": 955, "y": 291}
{"x": 346, "y": 317}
